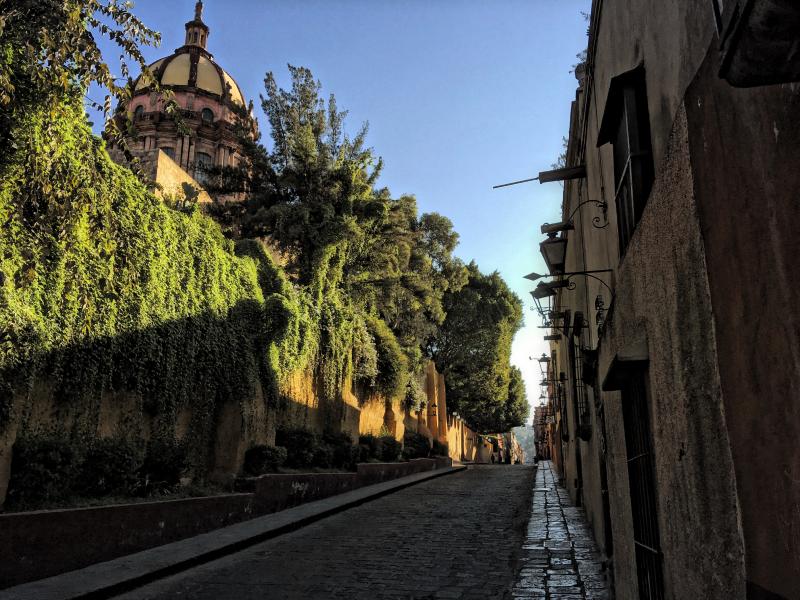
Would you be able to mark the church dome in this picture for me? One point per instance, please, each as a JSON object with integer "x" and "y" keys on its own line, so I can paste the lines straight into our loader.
{"x": 176, "y": 72}
{"x": 192, "y": 67}
{"x": 208, "y": 133}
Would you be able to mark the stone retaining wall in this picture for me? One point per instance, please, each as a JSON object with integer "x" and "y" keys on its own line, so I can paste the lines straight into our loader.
{"x": 40, "y": 544}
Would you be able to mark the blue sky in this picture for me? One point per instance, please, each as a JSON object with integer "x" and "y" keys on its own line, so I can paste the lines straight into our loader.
{"x": 460, "y": 95}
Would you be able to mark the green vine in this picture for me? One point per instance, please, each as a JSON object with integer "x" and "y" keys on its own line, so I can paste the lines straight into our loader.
{"x": 106, "y": 288}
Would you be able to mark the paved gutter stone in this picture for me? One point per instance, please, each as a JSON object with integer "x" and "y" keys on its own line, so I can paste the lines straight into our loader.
{"x": 455, "y": 538}
{"x": 106, "y": 579}
{"x": 559, "y": 559}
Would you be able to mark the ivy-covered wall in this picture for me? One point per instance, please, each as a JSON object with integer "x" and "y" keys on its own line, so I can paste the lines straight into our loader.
{"x": 121, "y": 315}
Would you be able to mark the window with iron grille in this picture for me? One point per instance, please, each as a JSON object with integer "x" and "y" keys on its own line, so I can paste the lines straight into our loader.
{"x": 642, "y": 482}
{"x": 626, "y": 125}
{"x": 578, "y": 385}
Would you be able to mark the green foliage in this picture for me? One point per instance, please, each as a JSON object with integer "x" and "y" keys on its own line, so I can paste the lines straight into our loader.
{"x": 165, "y": 462}
{"x": 50, "y": 468}
{"x": 473, "y": 351}
{"x": 344, "y": 454}
{"x": 390, "y": 448}
{"x": 49, "y": 50}
{"x": 360, "y": 255}
{"x": 110, "y": 466}
{"x": 415, "y": 445}
{"x": 43, "y": 468}
{"x": 50, "y": 46}
{"x": 392, "y": 365}
{"x": 301, "y": 446}
{"x": 439, "y": 449}
{"x": 104, "y": 288}
{"x": 259, "y": 460}
{"x": 517, "y": 407}
{"x": 371, "y": 445}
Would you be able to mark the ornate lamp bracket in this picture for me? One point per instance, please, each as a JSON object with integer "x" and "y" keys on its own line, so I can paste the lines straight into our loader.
{"x": 599, "y": 222}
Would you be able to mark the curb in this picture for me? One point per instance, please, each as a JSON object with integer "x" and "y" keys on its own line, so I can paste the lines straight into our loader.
{"x": 110, "y": 578}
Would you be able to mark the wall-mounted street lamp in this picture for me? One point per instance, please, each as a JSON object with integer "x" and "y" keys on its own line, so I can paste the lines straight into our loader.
{"x": 544, "y": 364}
{"x": 554, "y": 251}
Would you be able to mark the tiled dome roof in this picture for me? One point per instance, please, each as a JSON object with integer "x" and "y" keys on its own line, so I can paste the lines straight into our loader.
{"x": 192, "y": 66}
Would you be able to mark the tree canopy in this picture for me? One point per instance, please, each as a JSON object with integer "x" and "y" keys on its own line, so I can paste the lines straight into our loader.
{"x": 473, "y": 349}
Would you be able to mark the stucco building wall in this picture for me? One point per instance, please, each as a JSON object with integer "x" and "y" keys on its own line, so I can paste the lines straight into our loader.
{"x": 706, "y": 289}
{"x": 745, "y": 145}
{"x": 663, "y": 304}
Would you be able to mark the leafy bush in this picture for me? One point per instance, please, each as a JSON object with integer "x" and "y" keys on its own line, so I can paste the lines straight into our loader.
{"x": 111, "y": 465}
{"x": 345, "y": 455}
{"x": 391, "y": 360}
{"x": 164, "y": 463}
{"x": 439, "y": 449}
{"x": 364, "y": 453}
{"x": 264, "y": 459}
{"x": 415, "y": 445}
{"x": 323, "y": 456}
{"x": 390, "y": 448}
{"x": 372, "y": 444}
{"x": 301, "y": 446}
{"x": 43, "y": 468}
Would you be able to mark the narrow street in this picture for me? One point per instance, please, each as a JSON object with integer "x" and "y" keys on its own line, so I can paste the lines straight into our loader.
{"x": 453, "y": 537}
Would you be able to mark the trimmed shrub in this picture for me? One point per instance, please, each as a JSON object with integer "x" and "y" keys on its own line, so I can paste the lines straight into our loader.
{"x": 415, "y": 445}
{"x": 165, "y": 461}
{"x": 390, "y": 449}
{"x": 110, "y": 466}
{"x": 323, "y": 456}
{"x": 301, "y": 446}
{"x": 364, "y": 453}
{"x": 43, "y": 468}
{"x": 259, "y": 460}
{"x": 439, "y": 449}
{"x": 345, "y": 454}
{"x": 372, "y": 444}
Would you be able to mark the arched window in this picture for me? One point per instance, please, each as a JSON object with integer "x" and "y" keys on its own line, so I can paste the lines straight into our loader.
{"x": 207, "y": 115}
{"x": 138, "y": 112}
{"x": 202, "y": 162}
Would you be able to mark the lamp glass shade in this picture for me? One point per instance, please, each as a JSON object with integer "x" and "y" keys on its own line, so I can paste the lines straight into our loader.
{"x": 554, "y": 251}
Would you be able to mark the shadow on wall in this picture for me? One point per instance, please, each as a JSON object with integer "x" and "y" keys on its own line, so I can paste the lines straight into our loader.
{"x": 205, "y": 379}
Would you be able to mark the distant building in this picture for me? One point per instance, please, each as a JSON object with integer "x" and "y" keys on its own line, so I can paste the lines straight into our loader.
{"x": 675, "y": 361}
{"x": 209, "y": 100}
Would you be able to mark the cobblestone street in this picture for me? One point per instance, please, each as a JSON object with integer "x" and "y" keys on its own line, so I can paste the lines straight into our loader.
{"x": 461, "y": 536}
{"x": 559, "y": 557}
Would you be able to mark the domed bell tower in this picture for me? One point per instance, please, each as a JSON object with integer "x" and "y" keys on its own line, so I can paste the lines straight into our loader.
{"x": 197, "y": 31}
{"x": 210, "y": 102}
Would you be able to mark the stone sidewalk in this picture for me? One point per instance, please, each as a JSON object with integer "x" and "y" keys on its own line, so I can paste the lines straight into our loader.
{"x": 559, "y": 560}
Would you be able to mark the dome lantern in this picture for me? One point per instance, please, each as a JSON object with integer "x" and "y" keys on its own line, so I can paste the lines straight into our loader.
{"x": 197, "y": 31}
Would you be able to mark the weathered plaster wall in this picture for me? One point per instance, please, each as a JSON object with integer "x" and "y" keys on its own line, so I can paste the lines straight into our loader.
{"x": 745, "y": 147}
{"x": 168, "y": 174}
{"x": 662, "y": 299}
